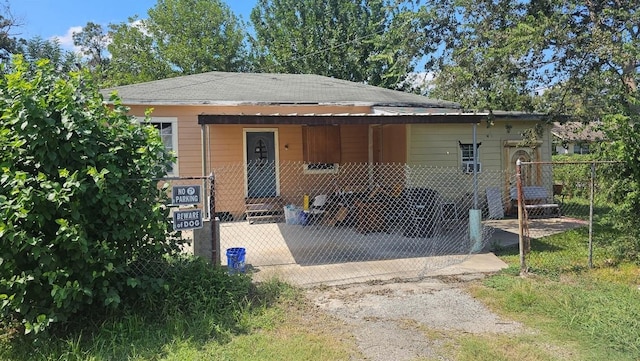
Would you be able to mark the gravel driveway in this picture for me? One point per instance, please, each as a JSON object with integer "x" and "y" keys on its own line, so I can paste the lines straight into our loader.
{"x": 391, "y": 321}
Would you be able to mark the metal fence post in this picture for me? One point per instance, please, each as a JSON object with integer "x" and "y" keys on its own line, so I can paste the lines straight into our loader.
{"x": 521, "y": 240}
{"x": 212, "y": 219}
{"x": 593, "y": 181}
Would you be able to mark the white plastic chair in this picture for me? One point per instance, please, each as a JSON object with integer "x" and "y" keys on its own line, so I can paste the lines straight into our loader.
{"x": 317, "y": 206}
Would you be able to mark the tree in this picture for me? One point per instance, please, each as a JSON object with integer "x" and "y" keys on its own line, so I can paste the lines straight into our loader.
{"x": 37, "y": 48}
{"x": 179, "y": 37}
{"x": 197, "y": 36}
{"x": 135, "y": 57}
{"x": 361, "y": 41}
{"x": 79, "y": 206}
{"x": 483, "y": 60}
{"x": 92, "y": 41}
{"x": 498, "y": 53}
{"x": 9, "y": 44}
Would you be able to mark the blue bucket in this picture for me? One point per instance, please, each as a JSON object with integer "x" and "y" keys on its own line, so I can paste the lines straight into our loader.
{"x": 236, "y": 260}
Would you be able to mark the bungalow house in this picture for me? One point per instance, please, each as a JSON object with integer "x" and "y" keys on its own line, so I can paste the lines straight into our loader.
{"x": 575, "y": 137}
{"x": 267, "y": 122}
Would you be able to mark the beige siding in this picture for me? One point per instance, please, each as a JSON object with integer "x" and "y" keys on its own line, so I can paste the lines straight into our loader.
{"x": 437, "y": 145}
{"x": 189, "y": 147}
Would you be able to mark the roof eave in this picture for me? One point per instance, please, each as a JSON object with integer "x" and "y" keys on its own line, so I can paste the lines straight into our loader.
{"x": 338, "y": 119}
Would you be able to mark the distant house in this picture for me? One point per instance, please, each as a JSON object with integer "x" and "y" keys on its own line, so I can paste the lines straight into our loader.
{"x": 214, "y": 119}
{"x": 575, "y": 137}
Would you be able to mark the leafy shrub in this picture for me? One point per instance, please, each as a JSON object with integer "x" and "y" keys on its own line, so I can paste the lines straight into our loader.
{"x": 78, "y": 203}
{"x": 623, "y": 181}
{"x": 575, "y": 178}
{"x": 194, "y": 285}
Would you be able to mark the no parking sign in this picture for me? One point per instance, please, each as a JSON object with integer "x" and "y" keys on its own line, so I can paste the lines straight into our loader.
{"x": 186, "y": 219}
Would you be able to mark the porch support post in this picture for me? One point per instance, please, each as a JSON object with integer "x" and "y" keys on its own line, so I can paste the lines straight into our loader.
{"x": 475, "y": 214}
{"x": 370, "y": 156}
{"x": 475, "y": 166}
{"x": 203, "y": 147}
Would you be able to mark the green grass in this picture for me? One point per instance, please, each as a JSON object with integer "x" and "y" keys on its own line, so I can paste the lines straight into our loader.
{"x": 580, "y": 313}
{"x": 272, "y": 324}
{"x": 578, "y": 207}
{"x": 598, "y": 316}
{"x": 597, "y": 310}
{"x": 567, "y": 251}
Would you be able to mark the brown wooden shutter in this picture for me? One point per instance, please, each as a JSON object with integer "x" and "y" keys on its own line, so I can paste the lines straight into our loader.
{"x": 321, "y": 144}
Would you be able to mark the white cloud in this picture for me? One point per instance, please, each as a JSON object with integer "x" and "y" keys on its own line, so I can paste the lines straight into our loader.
{"x": 420, "y": 80}
{"x": 66, "y": 40}
{"x": 140, "y": 25}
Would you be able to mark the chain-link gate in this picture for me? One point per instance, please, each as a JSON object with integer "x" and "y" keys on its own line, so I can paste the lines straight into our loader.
{"x": 561, "y": 208}
{"x": 361, "y": 221}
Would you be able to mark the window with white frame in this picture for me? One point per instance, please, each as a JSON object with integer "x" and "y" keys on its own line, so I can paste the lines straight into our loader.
{"x": 168, "y": 129}
{"x": 468, "y": 155}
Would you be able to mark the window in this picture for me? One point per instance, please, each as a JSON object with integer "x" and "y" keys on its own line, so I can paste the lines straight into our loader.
{"x": 468, "y": 156}
{"x": 321, "y": 149}
{"x": 261, "y": 156}
{"x": 581, "y": 148}
{"x": 467, "y": 153}
{"x": 168, "y": 129}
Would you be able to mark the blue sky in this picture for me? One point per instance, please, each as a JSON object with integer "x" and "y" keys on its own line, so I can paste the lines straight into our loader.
{"x": 60, "y": 18}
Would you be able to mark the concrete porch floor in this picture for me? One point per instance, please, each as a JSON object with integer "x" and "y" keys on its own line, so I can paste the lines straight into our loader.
{"x": 274, "y": 258}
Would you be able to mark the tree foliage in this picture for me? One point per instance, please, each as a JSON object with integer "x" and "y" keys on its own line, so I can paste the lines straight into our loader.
{"x": 361, "y": 41}
{"x": 92, "y": 41}
{"x": 37, "y": 48}
{"x": 135, "y": 57}
{"x": 481, "y": 61}
{"x": 196, "y": 36}
{"x": 179, "y": 37}
{"x": 78, "y": 202}
{"x": 497, "y": 53}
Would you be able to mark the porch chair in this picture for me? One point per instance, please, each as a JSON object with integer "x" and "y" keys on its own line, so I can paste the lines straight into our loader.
{"x": 317, "y": 208}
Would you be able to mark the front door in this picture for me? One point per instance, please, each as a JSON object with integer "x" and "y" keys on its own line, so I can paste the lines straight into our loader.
{"x": 261, "y": 164}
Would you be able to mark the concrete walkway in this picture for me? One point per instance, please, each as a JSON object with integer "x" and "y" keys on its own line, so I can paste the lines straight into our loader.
{"x": 360, "y": 272}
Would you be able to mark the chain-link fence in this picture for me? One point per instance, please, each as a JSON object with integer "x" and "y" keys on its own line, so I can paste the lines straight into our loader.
{"x": 327, "y": 223}
{"x": 564, "y": 220}
{"x": 190, "y": 210}
{"x": 189, "y": 195}
{"x": 353, "y": 222}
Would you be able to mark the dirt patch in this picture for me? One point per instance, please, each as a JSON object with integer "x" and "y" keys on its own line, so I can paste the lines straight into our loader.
{"x": 394, "y": 321}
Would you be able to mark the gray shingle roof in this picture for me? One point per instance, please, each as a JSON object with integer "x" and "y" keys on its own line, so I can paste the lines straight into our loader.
{"x": 264, "y": 88}
{"x": 577, "y": 131}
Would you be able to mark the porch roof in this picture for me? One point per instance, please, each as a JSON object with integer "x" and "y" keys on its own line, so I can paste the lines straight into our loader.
{"x": 381, "y": 115}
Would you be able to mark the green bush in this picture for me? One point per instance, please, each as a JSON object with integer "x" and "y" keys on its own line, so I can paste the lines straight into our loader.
{"x": 78, "y": 203}
{"x": 623, "y": 181}
{"x": 575, "y": 178}
{"x": 194, "y": 284}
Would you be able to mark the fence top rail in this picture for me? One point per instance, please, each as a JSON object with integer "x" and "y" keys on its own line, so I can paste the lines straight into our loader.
{"x": 171, "y": 178}
{"x": 576, "y": 162}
